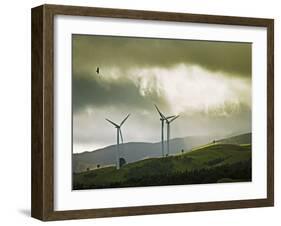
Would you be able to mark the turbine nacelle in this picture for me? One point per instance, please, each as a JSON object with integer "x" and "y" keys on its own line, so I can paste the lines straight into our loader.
{"x": 115, "y": 124}
{"x": 164, "y": 118}
{"x": 167, "y": 118}
{"x": 172, "y": 118}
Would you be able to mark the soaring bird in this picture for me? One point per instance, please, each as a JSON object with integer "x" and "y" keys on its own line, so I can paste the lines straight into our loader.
{"x": 98, "y": 70}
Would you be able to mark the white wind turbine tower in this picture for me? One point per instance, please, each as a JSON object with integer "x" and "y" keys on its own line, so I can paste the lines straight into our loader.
{"x": 118, "y": 127}
{"x": 168, "y": 132}
{"x": 162, "y": 119}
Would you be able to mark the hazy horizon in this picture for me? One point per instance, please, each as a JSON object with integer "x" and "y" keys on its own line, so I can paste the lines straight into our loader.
{"x": 207, "y": 83}
{"x": 218, "y": 137}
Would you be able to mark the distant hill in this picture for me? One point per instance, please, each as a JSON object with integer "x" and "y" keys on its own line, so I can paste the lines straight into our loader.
{"x": 213, "y": 163}
{"x": 134, "y": 151}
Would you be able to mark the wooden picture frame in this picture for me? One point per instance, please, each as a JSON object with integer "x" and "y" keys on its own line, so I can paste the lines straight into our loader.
{"x": 42, "y": 204}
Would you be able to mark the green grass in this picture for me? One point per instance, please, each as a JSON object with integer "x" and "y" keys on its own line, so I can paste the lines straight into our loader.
{"x": 212, "y": 163}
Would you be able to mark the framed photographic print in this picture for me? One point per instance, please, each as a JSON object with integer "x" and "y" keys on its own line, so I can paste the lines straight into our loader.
{"x": 141, "y": 112}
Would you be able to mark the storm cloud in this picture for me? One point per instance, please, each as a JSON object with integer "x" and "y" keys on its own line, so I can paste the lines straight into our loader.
{"x": 125, "y": 53}
{"x": 95, "y": 92}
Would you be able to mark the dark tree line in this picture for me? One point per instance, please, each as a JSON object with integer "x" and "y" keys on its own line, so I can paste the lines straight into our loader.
{"x": 240, "y": 171}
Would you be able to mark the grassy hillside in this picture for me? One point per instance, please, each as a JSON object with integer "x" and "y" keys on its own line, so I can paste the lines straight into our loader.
{"x": 239, "y": 139}
{"x": 209, "y": 164}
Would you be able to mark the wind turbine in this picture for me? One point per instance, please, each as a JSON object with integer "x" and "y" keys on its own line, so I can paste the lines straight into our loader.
{"x": 119, "y": 132}
{"x": 168, "y": 132}
{"x": 162, "y": 119}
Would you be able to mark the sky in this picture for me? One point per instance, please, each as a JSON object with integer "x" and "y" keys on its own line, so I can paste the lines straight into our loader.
{"x": 207, "y": 83}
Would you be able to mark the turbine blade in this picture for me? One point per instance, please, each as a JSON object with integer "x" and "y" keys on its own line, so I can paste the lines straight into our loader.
{"x": 174, "y": 118}
{"x": 161, "y": 115}
{"x": 170, "y": 117}
{"x": 111, "y": 122}
{"x": 124, "y": 120}
{"x": 121, "y": 135}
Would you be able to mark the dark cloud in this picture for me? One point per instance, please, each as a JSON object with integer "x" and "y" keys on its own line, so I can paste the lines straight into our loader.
{"x": 123, "y": 52}
{"x": 94, "y": 92}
